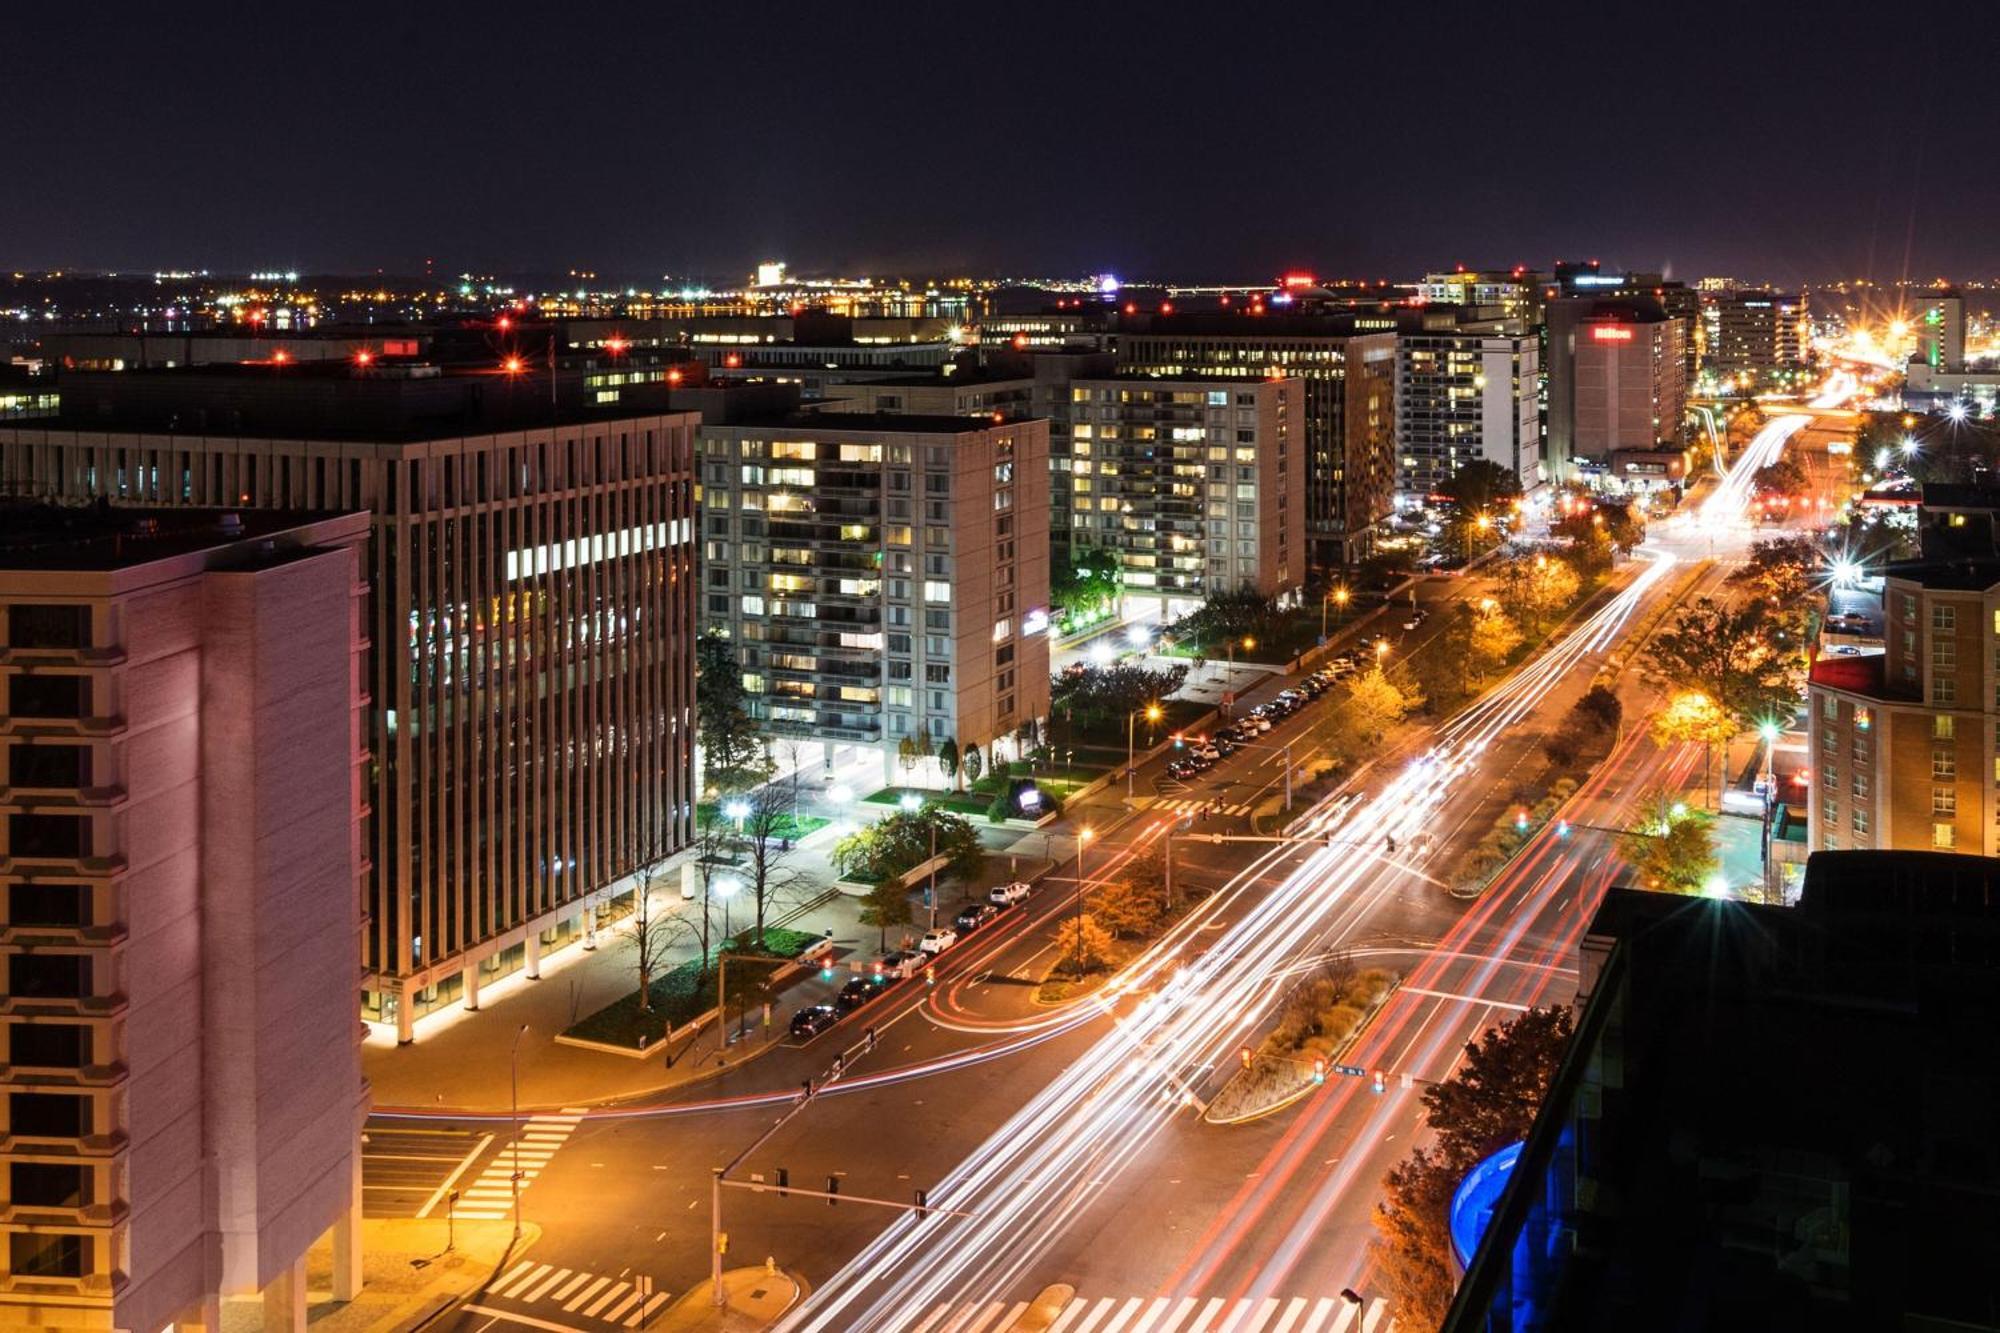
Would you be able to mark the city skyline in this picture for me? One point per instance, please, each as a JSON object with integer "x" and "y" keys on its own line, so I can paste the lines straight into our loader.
{"x": 698, "y": 143}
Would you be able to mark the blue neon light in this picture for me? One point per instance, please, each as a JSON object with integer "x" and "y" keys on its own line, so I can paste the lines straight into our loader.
{"x": 1473, "y": 1202}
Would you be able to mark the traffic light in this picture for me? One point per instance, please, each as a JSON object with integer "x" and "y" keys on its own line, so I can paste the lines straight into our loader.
{"x": 1246, "y": 1057}
{"x": 1562, "y": 828}
{"x": 1178, "y": 742}
{"x": 784, "y": 1180}
{"x": 879, "y": 978}
{"x": 1319, "y": 1069}
{"x": 826, "y": 972}
{"x": 832, "y": 1190}
{"x": 1381, "y": 1080}
{"x": 1521, "y": 821}
{"x": 920, "y": 1200}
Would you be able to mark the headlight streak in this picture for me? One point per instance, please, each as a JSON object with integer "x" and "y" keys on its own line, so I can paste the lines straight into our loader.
{"x": 1031, "y": 1175}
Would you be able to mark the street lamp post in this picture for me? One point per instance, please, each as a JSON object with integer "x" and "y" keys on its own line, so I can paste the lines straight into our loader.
{"x": 1152, "y": 712}
{"x": 514, "y": 1115}
{"x": 1339, "y": 598}
{"x": 1082, "y": 841}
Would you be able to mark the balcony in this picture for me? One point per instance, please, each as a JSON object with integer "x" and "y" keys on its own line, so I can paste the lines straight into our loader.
{"x": 62, "y": 657}
{"x": 96, "y": 728}
{"x": 56, "y": 1292}
{"x": 56, "y": 937}
{"x": 61, "y": 800}
{"x": 93, "y": 867}
{"x": 81, "y": 1146}
{"x": 96, "y": 1215}
{"x": 53, "y": 1078}
{"x": 50, "y": 1006}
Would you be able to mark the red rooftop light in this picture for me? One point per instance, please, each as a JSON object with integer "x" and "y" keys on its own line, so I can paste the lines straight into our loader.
{"x": 512, "y": 365}
{"x": 363, "y": 357}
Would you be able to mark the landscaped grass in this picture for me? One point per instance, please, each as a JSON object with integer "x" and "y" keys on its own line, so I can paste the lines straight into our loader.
{"x": 679, "y": 995}
{"x": 959, "y": 803}
{"x": 786, "y": 825}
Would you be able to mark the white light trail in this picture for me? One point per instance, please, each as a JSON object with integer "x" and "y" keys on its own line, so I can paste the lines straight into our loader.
{"x": 1046, "y": 1163}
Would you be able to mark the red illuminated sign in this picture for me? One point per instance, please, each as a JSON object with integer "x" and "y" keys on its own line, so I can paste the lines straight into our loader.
{"x": 1298, "y": 280}
{"x": 1611, "y": 333}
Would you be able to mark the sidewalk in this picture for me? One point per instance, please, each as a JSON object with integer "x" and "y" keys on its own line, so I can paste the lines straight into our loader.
{"x": 756, "y": 1297}
{"x": 407, "y": 1274}
{"x": 463, "y": 1060}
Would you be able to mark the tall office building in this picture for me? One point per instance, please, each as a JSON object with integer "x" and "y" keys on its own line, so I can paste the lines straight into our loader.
{"x": 1198, "y": 483}
{"x": 881, "y": 576}
{"x": 1515, "y": 293}
{"x": 1348, "y": 362}
{"x": 1617, "y": 380}
{"x": 531, "y": 585}
{"x": 1467, "y": 392}
{"x": 1751, "y": 335}
{"x": 183, "y": 861}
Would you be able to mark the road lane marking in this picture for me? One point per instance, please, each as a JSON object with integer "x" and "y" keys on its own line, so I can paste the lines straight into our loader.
{"x": 1373, "y": 1318}
{"x": 1075, "y": 1308}
{"x": 1463, "y": 999}
{"x": 513, "y": 1318}
{"x": 1319, "y": 1314}
{"x": 452, "y": 1179}
{"x": 1125, "y": 1315}
{"x": 525, "y": 1266}
{"x": 617, "y": 1312}
{"x": 1204, "y": 1323}
{"x": 639, "y": 1316}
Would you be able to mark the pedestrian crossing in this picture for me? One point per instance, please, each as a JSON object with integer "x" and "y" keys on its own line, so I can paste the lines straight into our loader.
{"x": 1175, "y": 1314}
{"x": 561, "y": 1294}
{"x": 491, "y": 1196}
{"x": 1189, "y": 805}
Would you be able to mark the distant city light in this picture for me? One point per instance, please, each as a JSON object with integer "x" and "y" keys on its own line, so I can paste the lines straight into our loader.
{"x": 1108, "y": 284}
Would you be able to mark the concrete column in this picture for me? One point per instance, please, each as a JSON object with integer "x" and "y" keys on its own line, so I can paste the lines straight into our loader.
{"x": 472, "y": 986}
{"x": 589, "y": 919}
{"x": 889, "y": 774}
{"x": 533, "y": 966}
{"x": 285, "y": 1300}
{"x": 406, "y": 1021}
{"x": 347, "y": 1237}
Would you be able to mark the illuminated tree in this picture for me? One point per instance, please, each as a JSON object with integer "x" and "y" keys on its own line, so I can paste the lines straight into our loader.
{"x": 1670, "y": 846}
{"x": 1494, "y": 637}
{"x": 1534, "y": 588}
{"x": 1082, "y": 944}
{"x": 1733, "y": 655}
{"x": 1376, "y": 701}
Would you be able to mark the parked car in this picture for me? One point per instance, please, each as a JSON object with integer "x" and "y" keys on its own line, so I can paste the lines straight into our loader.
{"x": 814, "y": 1019}
{"x": 1205, "y": 752}
{"x": 1180, "y": 770}
{"x": 974, "y": 916}
{"x": 858, "y": 992}
{"x": 1848, "y": 622}
{"x": 1225, "y": 744}
{"x": 902, "y": 963}
{"x": 937, "y": 941}
{"x": 1006, "y": 895}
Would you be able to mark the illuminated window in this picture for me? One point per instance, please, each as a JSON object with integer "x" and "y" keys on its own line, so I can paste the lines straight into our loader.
{"x": 797, "y": 450}
{"x": 1944, "y": 836}
{"x": 1944, "y": 726}
{"x": 937, "y": 591}
{"x": 1944, "y": 800}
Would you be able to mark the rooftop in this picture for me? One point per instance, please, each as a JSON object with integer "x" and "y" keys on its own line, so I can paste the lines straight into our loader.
{"x": 875, "y": 423}
{"x": 101, "y": 537}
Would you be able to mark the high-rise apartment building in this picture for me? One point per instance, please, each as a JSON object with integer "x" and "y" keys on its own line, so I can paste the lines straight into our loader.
{"x": 1515, "y": 293}
{"x": 1617, "y": 380}
{"x": 1198, "y": 483}
{"x": 185, "y": 786}
{"x": 1753, "y": 333}
{"x": 1348, "y": 362}
{"x": 882, "y": 576}
{"x": 531, "y": 612}
{"x": 1463, "y": 393}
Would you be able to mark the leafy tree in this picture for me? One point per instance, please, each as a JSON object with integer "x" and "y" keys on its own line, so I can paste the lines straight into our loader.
{"x": 1600, "y": 707}
{"x": 1481, "y": 486}
{"x": 1670, "y": 845}
{"x": 1376, "y": 701}
{"x": 1494, "y": 638}
{"x": 1489, "y": 1102}
{"x": 1112, "y": 693}
{"x": 913, "y": 750}
{"x": 1226, "y": 614}
{"x": 1534, "y": 588}
{"x": 886, "y": 904}
{"x": 1129, "y": 905}
{"x": 1085, "y": 583}
{"x": 1731, "y": 654}
{"x": 973, "y": 763}
{"x": 1625, "y": 523}
{"x": 1082, "y": 944}
{"x": 1784, "y": 477}
{"x": 948, "y": 760}
{"x": 898, "y": 843}
{"x": 733, "y": 753}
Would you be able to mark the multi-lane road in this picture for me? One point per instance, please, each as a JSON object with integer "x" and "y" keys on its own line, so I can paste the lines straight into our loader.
{"x": 1056, "y": 1145}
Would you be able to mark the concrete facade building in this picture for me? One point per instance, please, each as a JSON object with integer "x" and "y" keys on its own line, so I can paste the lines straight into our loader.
{"x": 1197, "y": 482}
{"x": 1617, "y": 380}
{"x": 881, "y": 576}
{"x": 1754, "y": 333}
{"x": 184, "y": 868}
{"x": 1467, "y": 393}
{"x": 532, "y": 606}
{"x": 1349, "y": 365}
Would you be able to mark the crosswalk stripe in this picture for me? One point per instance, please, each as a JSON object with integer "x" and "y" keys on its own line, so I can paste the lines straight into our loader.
{"x": 1373, "y": 1318}
{"x": 935, "y": 1315}
{"x": 598, "y": 1285}
{"x": 653, "y": 1302}
{"x": 1321, "y": 1310}
{"x": 1251, "y": 1315}
{"x": 1180, "y": 1312}
{"x": 1125, "y": 1315}
{"x": 986, "y": 1316}
{"x": 1347, "y": 1313}
{"x": 568, "y": 1288}
{"x": 604, "y": 1300}
{"x": 1205, "y": 1320}
{"x": 536, "y": 1275}
{"x": 542, "y": 1290}
{"x": 617, "y": 1311}
{"x": 1292, "y": 1313}
{"x": 1074, "y": 1309}
{"x": 526, "y": 1265}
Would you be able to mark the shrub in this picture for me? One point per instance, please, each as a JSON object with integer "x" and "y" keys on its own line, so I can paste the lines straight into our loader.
{"x": 1002, "y": 807}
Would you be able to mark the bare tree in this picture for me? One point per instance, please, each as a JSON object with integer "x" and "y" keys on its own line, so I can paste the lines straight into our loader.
{"x": 768, "y": 844}
{"x": 651, "y": 931}
{"x": 714, "y": 836}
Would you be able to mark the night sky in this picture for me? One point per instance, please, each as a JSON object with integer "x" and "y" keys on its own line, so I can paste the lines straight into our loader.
{"x": 1213, "y": 141}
